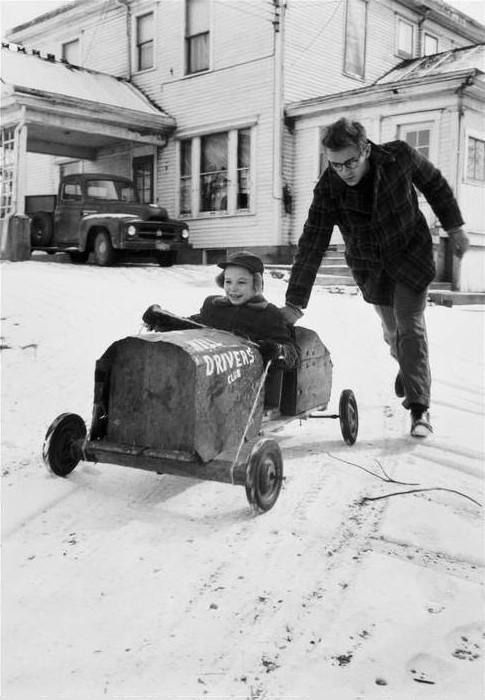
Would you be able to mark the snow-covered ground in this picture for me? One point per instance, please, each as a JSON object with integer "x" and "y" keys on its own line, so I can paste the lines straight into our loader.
{"x": 119, "y": 583}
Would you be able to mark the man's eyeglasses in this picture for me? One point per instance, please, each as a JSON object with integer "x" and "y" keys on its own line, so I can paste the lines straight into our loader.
{"x": 349, "y": 164}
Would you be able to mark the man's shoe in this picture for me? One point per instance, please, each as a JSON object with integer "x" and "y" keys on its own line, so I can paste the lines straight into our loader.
{"x": 420, "y": 425}
{"x": 399, "y": 386}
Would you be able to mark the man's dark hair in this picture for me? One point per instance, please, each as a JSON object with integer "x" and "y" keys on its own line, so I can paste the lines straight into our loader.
{"x": 343, "y": 133}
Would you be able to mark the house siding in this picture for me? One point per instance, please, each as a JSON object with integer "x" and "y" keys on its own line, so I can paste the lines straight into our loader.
{"x": 239, "y": 89}
{"x": 242, "y": 95}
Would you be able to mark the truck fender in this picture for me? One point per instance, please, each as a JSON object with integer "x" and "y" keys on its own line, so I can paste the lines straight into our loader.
{"x": 89, "y": 229}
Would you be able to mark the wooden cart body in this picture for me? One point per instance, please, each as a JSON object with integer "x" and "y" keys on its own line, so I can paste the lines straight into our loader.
{"x": 194, "y": 403}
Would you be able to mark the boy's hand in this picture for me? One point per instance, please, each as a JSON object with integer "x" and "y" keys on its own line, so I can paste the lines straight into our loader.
{"x": 291, "y": 313}
{"x": 271, "y": 351}
{"x": 283, "y": 356}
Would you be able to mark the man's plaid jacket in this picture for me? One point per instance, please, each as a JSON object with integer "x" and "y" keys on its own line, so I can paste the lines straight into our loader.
{"x": 386, "y": 240}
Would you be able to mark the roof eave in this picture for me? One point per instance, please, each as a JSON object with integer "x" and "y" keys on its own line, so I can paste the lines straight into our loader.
{"x": 381, "y": 93}
{"x": 448, "y": 17}
{"x": 62, "y": 104}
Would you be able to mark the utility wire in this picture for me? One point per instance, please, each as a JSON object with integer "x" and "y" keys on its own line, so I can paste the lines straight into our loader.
{"x": 319, "y": 33}
{"x": 103, "y": 11}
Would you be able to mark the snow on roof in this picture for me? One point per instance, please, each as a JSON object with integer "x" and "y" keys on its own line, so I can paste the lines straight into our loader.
{"x": 466, "y": 58}
{"x": 26, "y": 71}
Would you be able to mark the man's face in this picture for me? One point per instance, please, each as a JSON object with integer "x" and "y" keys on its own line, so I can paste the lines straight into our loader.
{"x": 349, "y": 163}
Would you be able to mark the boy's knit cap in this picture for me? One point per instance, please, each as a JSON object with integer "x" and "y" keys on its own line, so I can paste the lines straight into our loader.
{"x": 243, "y": 259}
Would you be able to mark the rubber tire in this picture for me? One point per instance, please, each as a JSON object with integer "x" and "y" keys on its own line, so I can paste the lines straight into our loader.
{"x": 349, "y": 416}
{"x": 79, "y": 257}
{"x": 264, "y": 476}
{"x": 104, "y": 254}
{"x": 41, "y": 229}
{"x": 61, "y": 451}
{"x": 167, "y": 259}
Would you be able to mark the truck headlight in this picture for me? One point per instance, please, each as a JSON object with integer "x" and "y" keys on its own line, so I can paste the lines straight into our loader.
{"x": 185, "y": 233}
{"x": 131, "y": 230}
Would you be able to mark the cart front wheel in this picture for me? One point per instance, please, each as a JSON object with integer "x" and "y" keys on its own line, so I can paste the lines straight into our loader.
{"x": 349, "y": 416}
{"x": 62, "y": 448}
{"x": 264, "y": 475}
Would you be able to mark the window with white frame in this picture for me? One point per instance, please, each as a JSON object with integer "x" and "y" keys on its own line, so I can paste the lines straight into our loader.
{"x": 8, "y": 150}
{"x": 355, "y": 38}
{"x": 418, "y": 136}
{"x": 196, "y": 36}
{"x": 185, "y": 205}
{"x": 215, "y": 173}
{"x": 475, "y": 163}
{"x": 145, "y": 41}
{"x": 404, "y": 38}
{"x": 243, "y": 161}
{"x": 71, "y": 52}
{"x": 430, "y": 44}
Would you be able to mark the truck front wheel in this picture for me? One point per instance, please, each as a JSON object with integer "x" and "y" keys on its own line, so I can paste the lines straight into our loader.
{"x": 104, "y": 253}
{"x": 41, "y": 229}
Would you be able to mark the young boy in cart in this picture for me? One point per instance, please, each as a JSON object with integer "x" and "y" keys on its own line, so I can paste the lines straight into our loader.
{"x": 242, "y": 310}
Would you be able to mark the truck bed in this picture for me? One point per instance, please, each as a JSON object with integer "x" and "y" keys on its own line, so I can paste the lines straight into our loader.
{"x": 40, "y": 202}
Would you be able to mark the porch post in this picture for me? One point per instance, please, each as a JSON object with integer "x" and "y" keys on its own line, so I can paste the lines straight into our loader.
{"x": 20, "y": 167}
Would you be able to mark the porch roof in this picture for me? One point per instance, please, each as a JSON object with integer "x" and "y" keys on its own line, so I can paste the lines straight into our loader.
{"x": 440, "y": 72}
{"x": 465, "y": 58}
{"x": 74, "y": 111}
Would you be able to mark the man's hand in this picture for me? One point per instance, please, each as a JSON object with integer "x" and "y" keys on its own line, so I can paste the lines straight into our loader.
{"x": 459, "y": 241}
{"x": 291, "y": 313}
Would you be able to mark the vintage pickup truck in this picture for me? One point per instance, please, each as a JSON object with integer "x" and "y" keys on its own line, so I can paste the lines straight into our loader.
{"x": 100, "y": 214}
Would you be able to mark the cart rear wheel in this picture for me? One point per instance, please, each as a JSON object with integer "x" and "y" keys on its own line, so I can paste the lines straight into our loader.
{"x": 62, "y": 448}
{"x": 349, "y": 416}
{"x": 264, "y": 475}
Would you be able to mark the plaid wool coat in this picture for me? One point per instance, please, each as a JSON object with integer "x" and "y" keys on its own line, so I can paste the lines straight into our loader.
{"x": 386, "y": 240}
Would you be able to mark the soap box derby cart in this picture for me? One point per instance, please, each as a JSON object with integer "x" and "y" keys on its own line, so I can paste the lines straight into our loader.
{"x": 198, "y": 402}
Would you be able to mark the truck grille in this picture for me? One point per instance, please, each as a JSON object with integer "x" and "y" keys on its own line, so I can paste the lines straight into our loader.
{"x": 153, "y": 231}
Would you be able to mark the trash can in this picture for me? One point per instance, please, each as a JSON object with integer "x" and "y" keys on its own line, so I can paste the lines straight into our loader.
{"x": 16, "y": 238}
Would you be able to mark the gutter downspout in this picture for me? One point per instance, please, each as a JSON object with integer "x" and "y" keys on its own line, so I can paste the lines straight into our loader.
{"x": 126, "y": 5}
{"x": 456, "y": 263}
{"x": 18, "y": 195}
{"x": 278, "y": 26}
{"x": 421, "y": 21}
{"x": 469, "y": 80}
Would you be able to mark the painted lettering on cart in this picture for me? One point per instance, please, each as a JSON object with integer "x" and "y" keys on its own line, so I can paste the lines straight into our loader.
{"x": 229, "y": 361}
{"x": 199, "y": 344}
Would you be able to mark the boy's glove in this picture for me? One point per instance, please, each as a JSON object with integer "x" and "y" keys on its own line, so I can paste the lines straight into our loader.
{"x": 151, "y": 317}
{"x": 272, "y": 351}
{"x": 281, "y": 355}
{"x": 291, "y": 313}
{"x": 157, "y": 319}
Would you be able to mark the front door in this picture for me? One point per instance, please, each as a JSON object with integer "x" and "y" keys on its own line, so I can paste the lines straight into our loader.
{"x": 143, "y": 178}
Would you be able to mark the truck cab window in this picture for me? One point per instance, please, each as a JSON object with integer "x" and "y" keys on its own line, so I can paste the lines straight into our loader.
{"x": 71, "y": 191}
{"x": 101, "y": 189}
